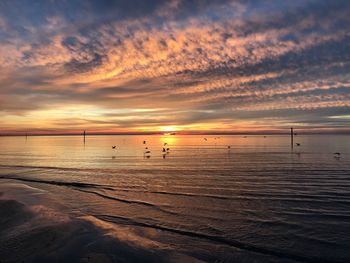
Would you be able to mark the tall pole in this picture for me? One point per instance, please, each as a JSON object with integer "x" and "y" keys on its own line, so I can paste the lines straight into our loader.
{"x": 291, "y": 137}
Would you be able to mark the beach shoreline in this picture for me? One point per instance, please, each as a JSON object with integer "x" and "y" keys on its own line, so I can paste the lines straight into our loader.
{"x": 35, "y": 229}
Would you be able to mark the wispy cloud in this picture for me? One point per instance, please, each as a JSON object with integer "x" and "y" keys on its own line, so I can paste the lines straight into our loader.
{"x": 193, "y": 64}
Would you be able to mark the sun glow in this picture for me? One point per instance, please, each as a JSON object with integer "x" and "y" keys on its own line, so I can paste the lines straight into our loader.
{"x": 168, "y": 128}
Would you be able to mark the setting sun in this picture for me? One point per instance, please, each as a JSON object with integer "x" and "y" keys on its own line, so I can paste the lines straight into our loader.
{"x": 168, "y": 128}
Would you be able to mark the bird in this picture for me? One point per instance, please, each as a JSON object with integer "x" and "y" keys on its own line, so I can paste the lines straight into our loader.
{"x": 164, "y": 150}
{"x": 147, "y": 153}
{"x": 205, "y": 139}
{"x": 114, "y": 146}
{"x": 144, "y": 142}
{"x": 229, "y": 147}
{"x": 165, "y": 144}
{"x": 167, "y": 149}
{"x": 297, "y": 144}
{"x": 337, "y": 153}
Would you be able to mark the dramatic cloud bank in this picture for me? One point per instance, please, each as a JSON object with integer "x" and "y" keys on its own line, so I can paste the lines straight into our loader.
{"x": 134, "y": 65}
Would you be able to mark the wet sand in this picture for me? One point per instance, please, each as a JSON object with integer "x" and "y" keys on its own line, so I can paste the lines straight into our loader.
{"x": 33, "y": 228}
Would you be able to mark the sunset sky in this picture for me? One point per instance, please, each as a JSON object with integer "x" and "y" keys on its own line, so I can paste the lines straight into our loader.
{"x": 182, "y": 65}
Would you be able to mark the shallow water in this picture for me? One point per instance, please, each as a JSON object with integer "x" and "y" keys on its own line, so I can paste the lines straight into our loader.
{"x": 257, "y": 200}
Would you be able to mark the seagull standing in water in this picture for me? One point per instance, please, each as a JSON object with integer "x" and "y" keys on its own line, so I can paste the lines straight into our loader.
{"x": 337, "y": 155}
{"x": 147, "y": 151}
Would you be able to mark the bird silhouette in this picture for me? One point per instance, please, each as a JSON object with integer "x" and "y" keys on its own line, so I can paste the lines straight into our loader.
{"x": 297, "y": 144}
{"x": 205, "y": 139}
{"x": 144, "y": 142}
{"x": 147, "y": 154}
{"x": 337, "y": 153}
{"x": 113, "y": 147}
{"x": 165, "y": 144}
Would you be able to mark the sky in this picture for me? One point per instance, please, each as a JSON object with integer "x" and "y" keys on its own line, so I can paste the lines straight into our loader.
{"x": 180, "y": 65}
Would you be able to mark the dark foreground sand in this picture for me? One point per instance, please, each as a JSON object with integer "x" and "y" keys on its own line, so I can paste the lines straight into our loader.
{"x": 35, "y": 229}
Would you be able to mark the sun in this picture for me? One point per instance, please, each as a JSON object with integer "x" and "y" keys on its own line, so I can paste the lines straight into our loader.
{"x": 168, "y": 128}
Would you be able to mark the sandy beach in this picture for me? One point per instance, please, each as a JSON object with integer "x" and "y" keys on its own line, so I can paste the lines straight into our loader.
{"x": 36, "y": 229}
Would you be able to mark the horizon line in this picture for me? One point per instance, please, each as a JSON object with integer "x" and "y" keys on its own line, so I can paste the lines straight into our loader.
{"x": 280, "y": 132}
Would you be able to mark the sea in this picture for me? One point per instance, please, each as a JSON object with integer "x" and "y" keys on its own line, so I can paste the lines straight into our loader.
{"x": 216, "y": 198}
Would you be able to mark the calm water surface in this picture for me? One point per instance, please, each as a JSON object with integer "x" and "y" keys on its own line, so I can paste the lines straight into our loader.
{"x": 257, "y": 200}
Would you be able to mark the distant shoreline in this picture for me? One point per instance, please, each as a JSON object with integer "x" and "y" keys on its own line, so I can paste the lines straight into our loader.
{"x": 303, "y": 132}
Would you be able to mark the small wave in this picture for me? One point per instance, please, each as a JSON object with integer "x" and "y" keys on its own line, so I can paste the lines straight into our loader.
{"x": 217, "y": 239}
{"x": 185, "y": 194}
{"x": 129, "y": 201}
{"x": 245, "y": 196}
{"x": 56, "y": 168}
{"x": 59, "y": 183}
{"x": 41, "y": 167}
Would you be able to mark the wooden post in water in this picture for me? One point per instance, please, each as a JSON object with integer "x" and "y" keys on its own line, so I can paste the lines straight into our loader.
{"x": 26, "y": 135}
{"x": 291, "y": 137}
{"x": 84, "y": 136}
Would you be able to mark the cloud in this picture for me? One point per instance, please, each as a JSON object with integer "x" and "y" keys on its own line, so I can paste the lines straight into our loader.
{"x": 206, "y": 62}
